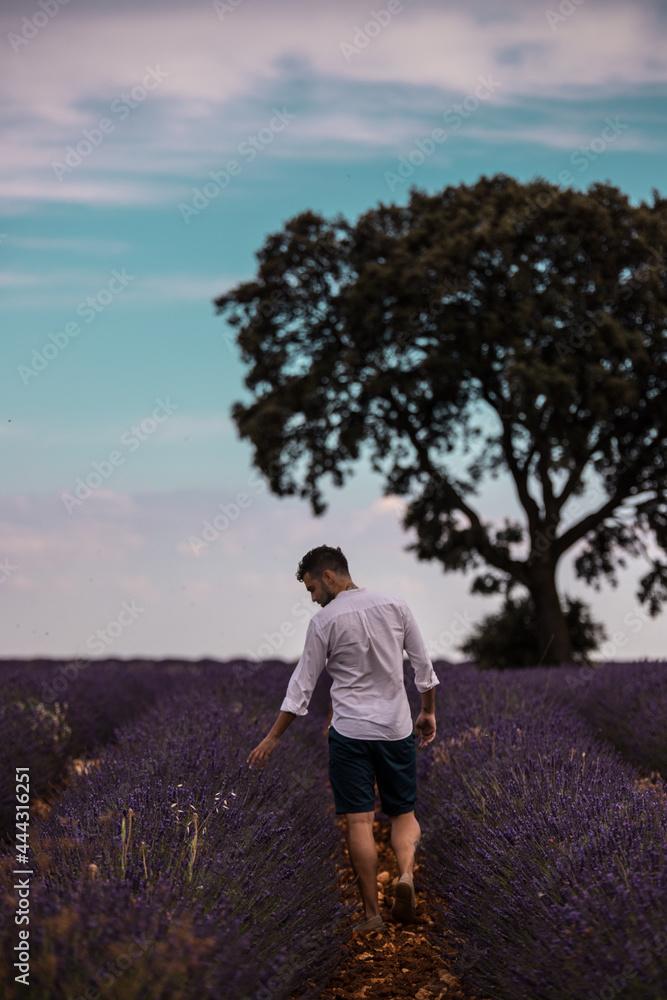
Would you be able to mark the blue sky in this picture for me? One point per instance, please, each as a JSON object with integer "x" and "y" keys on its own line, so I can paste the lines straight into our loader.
{"x": 114, "y": 116}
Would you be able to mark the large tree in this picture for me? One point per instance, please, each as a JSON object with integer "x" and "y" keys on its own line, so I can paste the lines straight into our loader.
{"x": 498, "y": 328}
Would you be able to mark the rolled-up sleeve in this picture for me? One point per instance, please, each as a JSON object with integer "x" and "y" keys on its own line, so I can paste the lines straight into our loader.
{"x": 308, "y": 669}
{"x": 415, "y": 647}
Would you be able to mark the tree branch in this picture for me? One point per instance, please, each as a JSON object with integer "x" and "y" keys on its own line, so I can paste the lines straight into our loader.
{"x": 520, "y": 476}
{"x": 550, "y": 506}
{"x": 570, "y": 485}
{"x": 592, "y": 520}
{"x": 626, "y": 479}
{"x": 494, "y": 555}
{"x": 519, "y": 472}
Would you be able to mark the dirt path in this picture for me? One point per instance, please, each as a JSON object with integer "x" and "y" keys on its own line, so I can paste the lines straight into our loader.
{"x": 398, "y": 963}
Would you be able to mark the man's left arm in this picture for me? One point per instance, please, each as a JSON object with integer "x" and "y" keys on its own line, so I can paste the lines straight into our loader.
{"x": 299, "y": 692}
{"x": 425, "y": 677}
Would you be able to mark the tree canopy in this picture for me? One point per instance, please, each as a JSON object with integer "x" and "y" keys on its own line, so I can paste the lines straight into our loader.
{"x": 494, "y": 329}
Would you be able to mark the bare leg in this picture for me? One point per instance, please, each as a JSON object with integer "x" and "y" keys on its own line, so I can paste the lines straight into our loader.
{"x": 364, "y": 858}
{"x": 405, "y": 835}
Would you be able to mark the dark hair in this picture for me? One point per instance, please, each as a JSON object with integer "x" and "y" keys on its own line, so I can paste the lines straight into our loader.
{"x": 323, "y": 557}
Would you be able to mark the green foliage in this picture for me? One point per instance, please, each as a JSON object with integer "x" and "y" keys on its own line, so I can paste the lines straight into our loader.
{"x": 494, "y": 329}
{"x": 509, "y": 638}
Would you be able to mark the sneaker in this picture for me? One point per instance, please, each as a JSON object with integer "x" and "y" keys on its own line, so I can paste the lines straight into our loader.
{"x": 404, "y": 901}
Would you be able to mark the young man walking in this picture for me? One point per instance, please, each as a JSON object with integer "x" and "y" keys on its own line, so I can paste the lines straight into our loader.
{"x": 360, "y": 636}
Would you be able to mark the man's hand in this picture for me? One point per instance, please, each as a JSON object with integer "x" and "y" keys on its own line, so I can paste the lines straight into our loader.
{"x": 259, "y": 756}
{"x": 425, "y": 727}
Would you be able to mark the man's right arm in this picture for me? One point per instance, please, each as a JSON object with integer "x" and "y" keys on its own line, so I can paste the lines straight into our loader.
{"x": 299, "y": 692}
{"x": 306, "y": 673}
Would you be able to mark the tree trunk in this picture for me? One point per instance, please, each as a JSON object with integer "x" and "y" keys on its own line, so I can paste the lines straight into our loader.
{"x": 553, "y": 634}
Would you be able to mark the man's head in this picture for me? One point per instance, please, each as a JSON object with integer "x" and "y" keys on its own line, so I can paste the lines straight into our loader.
{"x": 324, "y": 572}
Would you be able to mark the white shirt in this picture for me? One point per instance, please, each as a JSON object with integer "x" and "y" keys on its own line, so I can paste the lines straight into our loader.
{"x": 360, "y": 636}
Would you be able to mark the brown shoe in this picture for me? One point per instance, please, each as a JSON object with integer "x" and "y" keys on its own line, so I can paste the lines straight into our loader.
{"x": 372, "y": 924}
{"x": 404, "y": 901}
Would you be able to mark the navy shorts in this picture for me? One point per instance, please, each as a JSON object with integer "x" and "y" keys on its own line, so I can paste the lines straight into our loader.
{"x": 354, "y": 766}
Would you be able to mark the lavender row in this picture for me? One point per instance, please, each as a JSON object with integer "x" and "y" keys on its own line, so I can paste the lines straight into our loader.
{"x": 225, "y": 870}
{"x": 627, "y": 704}
{"x": 551, "y": 859}
{"x": 51, "y": 712}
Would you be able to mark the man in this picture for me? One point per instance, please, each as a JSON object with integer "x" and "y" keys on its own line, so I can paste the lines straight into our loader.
{"x": 360, "y": 636}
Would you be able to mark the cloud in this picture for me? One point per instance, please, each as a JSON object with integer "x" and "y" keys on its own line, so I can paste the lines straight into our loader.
{"x": 67, "y": 288}
{"x": 73, "y": 573}
{"x": 180, "y": 287}
{"x": 140, "y": 586}
{"x": 34, "y": 548}
{"x": 569, "y": 136}
{"x": 220, "y": 80}
{"x": 109, "y": 192}
{"x": 81, "y": 245}
{"x": 117, "y": 528}
{"x": 384, "y": 510}
{"x": 12, "y": 279}
{"x": 407, "y": 584}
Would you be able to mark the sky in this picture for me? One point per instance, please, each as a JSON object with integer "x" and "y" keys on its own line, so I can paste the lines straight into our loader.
{"x": 148, "y": 149}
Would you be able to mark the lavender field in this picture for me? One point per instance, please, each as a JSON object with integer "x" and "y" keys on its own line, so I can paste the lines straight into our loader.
{"x": 166, "y": 869}
{"x": 548, "y": 847}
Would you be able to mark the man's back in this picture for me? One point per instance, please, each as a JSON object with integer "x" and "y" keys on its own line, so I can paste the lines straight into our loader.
{"x": 360, "y": 636}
